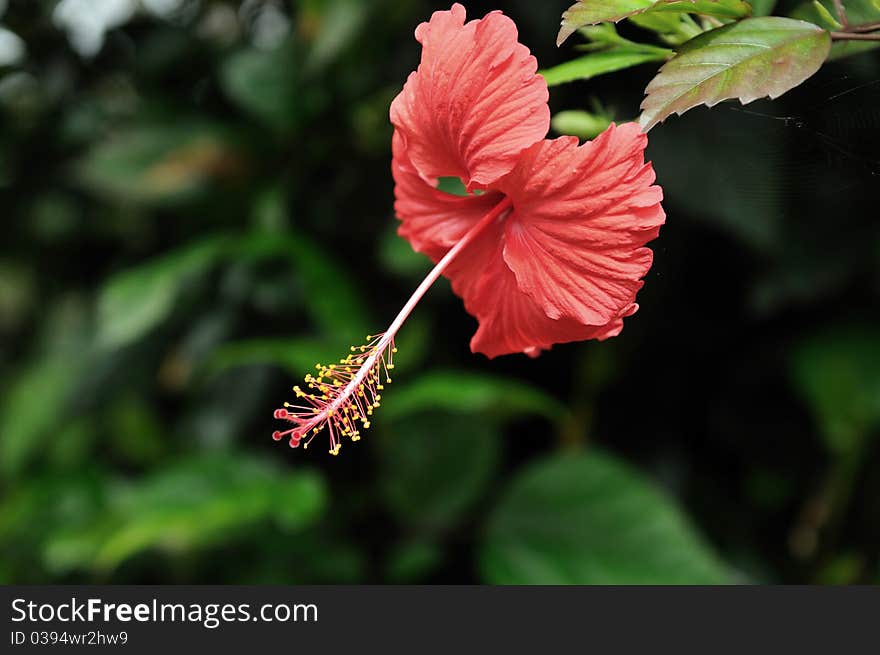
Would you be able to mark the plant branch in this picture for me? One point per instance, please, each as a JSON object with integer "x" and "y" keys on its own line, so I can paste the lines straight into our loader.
{"x": 864, "y": 27}
{"x": 853, "y": 36}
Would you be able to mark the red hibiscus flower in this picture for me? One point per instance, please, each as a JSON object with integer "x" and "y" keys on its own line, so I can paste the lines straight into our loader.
{"x": 546, "y": 248}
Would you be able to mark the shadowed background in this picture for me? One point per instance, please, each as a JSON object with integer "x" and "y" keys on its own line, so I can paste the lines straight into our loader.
{"x": 197, "y": 207}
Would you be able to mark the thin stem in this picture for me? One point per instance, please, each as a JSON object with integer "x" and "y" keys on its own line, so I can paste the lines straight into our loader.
{"x": 853, "y": 36}
{"x": 438, "y": 269}
{"x": 864, "y": 27}
{"x": 414, "y": 299}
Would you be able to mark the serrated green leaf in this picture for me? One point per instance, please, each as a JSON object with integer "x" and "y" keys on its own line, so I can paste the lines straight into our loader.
{"x": 599, "y": 63}
{"x": 581, "y": 124}
{"x": 469, "y": 393}
{"x": 590, "y": 519}
{"x": 592, "y": 12}
{"x": 747, "y": 60}
{"x": 838, "y": 373}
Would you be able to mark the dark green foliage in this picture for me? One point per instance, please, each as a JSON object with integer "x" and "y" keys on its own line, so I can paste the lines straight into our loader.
{"x": 200, "y": 211}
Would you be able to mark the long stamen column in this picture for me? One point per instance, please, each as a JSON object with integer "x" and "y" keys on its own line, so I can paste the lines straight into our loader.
{"x": 342, "y": 395}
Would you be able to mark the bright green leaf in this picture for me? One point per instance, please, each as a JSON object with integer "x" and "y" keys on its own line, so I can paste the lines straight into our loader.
{"x": 599, "y": 63}
{"x": 581, "y": 124}
{"x": 590, "y": 519}
{"x": 452, "y": 185}
{"x": 672, "y": 29}
{"x": 828, "y": 20}
{"x": 747, "y": 60}
{"x": 31, "y": 408}
{"x": 591, "y": 12}
{"x": 762, "y": 7}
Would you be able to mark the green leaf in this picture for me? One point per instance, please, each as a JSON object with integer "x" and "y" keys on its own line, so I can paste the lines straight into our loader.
{"x": 31, "y": 408}
{"x": 828, "y": 21}
{"x": 330, "y": 295}
{"x": 590, "y": 519}
{"x": 762, "y": 7}
{"x": 158, "y": 164}
{"x": 469, "y": 393}
{"x": 338, "y": 25}
{"x": 411, "y": 561}
{"x": 857, "y": 12}
{"x": 435, "y": 466}
{"x": 452, "y": 185}
{"x": 135, "y": 301}
{"x": 747, "y": 60}
{"x": 398, "y": 256}
{"x": 838, "y": 373}
{"x": 298, "y": 356}
{"x": 581, "y": 124}
{"x": 191, "y": 505}
{"x": 672, "y": 29}
{"x": 599, "y": 63}
{"x": 592, "y": 12}
{"x": 266, "y": 84}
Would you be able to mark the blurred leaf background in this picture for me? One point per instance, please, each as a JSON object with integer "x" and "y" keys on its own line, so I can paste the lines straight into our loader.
{"x": 197, "y": 207}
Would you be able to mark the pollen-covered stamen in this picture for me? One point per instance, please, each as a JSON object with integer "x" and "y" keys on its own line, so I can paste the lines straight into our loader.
{"x": 341, "y": 397}
{"x": 343, "y": 394}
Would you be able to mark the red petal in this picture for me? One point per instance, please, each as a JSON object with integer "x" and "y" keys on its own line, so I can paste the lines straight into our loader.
{"x": 432, "y": 221}
{"x": 510, "y": 321}
{"x": 475, "y": 101}
{"x": 581, "y": 216}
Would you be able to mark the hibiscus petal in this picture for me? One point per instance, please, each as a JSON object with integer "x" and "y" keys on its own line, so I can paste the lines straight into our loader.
{"x": 582, "y": 215}
{"x": 509, "y": 320}
{"x": 475, "y": 101}
{"x": 431, "y": 220}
